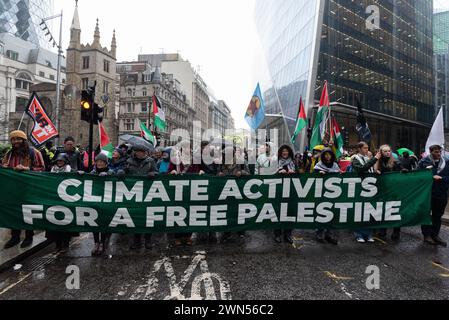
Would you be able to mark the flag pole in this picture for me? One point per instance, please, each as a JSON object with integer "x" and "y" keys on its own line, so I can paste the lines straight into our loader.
{"x": 21, "y": 120}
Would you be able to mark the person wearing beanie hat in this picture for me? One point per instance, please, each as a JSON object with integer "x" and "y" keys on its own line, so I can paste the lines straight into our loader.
{"x": 140, "y": 164}
{"x": 118, "y": 161}
{"x": 22, "y": 157}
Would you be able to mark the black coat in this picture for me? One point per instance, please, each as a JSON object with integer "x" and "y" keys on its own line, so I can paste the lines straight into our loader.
{"x": 440, "y": 188}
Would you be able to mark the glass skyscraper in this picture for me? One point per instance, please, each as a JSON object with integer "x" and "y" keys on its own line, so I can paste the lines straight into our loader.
{"x": 21, "y": 18}
{"x": 441, "y": 48}
{"x": 377, "y": 52}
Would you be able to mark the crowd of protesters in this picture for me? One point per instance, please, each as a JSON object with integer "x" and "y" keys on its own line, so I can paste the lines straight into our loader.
{"x": 136, "y": 160}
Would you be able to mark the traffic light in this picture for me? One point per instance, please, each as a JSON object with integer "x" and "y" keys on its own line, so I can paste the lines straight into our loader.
{"x": 98, "y": 113}
{"x": 87, "y": 104}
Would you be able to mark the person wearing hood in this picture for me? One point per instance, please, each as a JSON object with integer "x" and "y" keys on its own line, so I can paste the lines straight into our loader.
{"x": 328, "y": 164}
{"x": 118, "y": 161}
{"x": 61, "y": 239}
{"x": 101, "y": 239}
{"x": 286, "y": 165}
{"x": 409, "y": 162}
{"x": 163, "y": 166}
{"x": 61, "y": 164}
{"x": 312, "y": 161}
{"x": 266, "y": 160}
{"x": 440, "y": 169}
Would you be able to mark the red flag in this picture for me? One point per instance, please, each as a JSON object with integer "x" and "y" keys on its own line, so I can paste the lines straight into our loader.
{"x": 325, "y": 101}
{"x": 44, "y": 129}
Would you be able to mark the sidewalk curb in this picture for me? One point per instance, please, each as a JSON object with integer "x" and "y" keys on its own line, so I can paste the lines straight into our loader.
{"x": 10, "y": 263}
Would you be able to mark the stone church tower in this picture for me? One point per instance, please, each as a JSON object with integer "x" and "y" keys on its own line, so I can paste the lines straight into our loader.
{"x": 86, "y": 64}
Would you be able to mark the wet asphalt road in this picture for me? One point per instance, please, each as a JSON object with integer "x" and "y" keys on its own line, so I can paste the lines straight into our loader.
{"x": 254, "y": 268}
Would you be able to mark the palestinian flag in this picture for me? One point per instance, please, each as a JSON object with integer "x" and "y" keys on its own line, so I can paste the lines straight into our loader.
{"x": 338, "y": 139}
{"x": 319, "y": 130}
{"x": 105, "y": 143}
{"x": 301, "y": 122}
{"x": 159, "y": 114}
{"x": 147, "y": 135}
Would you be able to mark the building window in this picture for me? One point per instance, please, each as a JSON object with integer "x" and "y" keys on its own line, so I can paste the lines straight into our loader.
{"x": 86, "y": 61}
{"x": 144, "y": 92}
{"x": 105, "y": 87}
{"x": 52, "y": 77}
{"x": 85, "y": 83}
{"x": 21, "y": 104}
{"x": 129, "y": 126}
{"x": 130, "y": 107}
{"x": 13, "y": 55}
{"x": 130, "y": 92}
{"x": 23, "y": 81}
{"x": 106, "y": 66}
{"x": 144, "y": 106}
{"x": 41, "y": 74}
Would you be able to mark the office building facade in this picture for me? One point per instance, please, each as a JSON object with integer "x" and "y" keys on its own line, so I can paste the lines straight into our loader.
{"x": 377, "y": 52}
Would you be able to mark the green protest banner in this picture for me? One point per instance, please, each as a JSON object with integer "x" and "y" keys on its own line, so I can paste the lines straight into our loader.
{"x": 74, "y": 203}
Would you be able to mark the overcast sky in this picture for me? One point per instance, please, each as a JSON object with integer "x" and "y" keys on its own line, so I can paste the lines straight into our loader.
{"x": 217, "y": 35}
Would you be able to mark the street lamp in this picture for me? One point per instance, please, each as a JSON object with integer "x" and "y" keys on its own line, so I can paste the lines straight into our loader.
{"x": 60, "y": 52}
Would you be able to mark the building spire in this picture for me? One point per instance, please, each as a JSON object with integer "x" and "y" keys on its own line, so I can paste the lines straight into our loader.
{"x": 97, "y": 34}
{"x": 114, "y": 45}
{"x": 75, "y": 29}
{"x": 76, "y": 18}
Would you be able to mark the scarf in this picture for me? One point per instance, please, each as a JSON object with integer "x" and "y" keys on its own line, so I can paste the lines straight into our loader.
{"x": 363, "y": 160}
{"x": 325, "y": 168}
{"x": 286, "y": 163}
{"x": 441, "y": 164}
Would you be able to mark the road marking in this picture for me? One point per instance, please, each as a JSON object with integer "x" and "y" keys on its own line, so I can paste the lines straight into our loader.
{"x": 343, "y": 288}
{"x": 335, "y": 277}
{"x": 439, "y": 265}
{"x": 380, "y": 240}
{"x": 148, "y": 290}
{"x": 55, "y": 255}
{"x": 15, "y": 284}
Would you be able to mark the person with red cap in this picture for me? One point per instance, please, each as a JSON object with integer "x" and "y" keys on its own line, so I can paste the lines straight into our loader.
{"x": 22, "y": 157}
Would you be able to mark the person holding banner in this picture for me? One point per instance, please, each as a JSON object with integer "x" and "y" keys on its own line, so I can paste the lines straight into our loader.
{"x": 22, "y": 157}
{"x": 362, "y": 163}
{"x": 440, "y": 169}
{"x": 118, "y": 161}
{"x": 387, "y": 163}
{"x": 238, "y": 167}
{"x": 74, "y": 155}
{"x": 328, "y": 164}
{"x": 101, "y": 239}
{"x": 286, "y": 165}
{"x": 62, "y": 239}
{"x": 140, "y": 164}
{"x": 266, "y": 160}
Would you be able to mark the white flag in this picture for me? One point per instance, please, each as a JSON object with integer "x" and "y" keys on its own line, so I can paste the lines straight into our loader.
{"x": 436, "y": 137}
